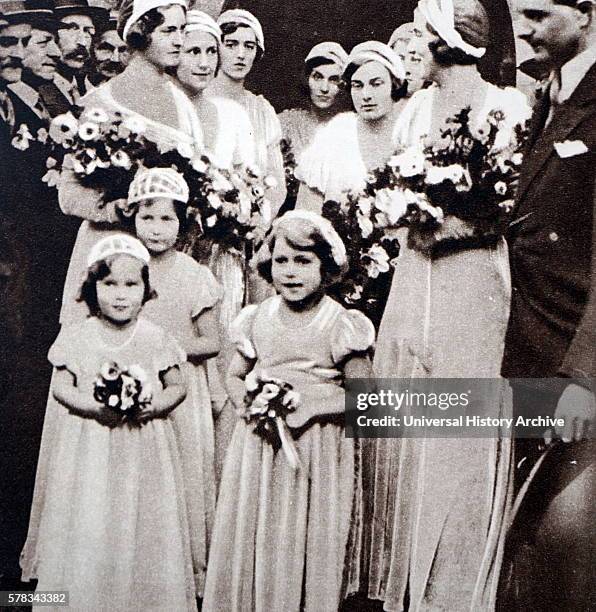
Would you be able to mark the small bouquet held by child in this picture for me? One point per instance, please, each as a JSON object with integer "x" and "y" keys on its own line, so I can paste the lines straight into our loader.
{"x": 268, "y": 401}
{"x": 124, "y": 390}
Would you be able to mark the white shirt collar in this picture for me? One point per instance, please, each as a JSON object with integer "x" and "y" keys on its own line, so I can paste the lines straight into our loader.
{"x": 574, "y": 71}
{"x": 65, "y": 86}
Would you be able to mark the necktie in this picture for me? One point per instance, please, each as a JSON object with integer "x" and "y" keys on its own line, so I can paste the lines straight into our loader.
{"x": 6, "y": 110}
{"x": 41, "y": 110}
{"x": 553, "y": 93}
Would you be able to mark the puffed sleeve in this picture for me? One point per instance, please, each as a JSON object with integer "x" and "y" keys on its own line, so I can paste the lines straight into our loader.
{"x": 68, "y": 350}
{"x": 170, "y": 353}
{"x": 352, "y": 333}
{"x": 207, "y": 291}
{"x": 241, "y": 332}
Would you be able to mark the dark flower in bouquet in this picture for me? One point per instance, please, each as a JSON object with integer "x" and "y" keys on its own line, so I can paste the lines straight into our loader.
{"x": 289, "y": 160}
{"x": 465, "y": 187}
{"x": 371, "y": 247}
{"x": 104, "y": 151}
{"x": 123, "y": 390}
{"x": 267, "y": 403}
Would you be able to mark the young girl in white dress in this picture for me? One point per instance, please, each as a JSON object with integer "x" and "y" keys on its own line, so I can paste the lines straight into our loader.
{"x": 109, "y": 522}
{"x": 187, "y": 295}
{"x": 281, "y": 533}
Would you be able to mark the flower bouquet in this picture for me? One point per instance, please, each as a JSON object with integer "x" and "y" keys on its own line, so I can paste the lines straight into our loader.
{"x": 230, "y": 208}
{"x": 363, "y": 222}
{"x": 462, "y": 189}
{"x": 124, "y": 390}
{"x": 268, "y": 401}
{"x": 104, "y": 151}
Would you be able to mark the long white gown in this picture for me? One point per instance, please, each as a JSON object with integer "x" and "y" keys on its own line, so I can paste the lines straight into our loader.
{"x": 439, "y": 506}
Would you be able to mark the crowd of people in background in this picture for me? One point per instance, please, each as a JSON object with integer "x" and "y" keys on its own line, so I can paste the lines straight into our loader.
{"x": 190, "y": 507}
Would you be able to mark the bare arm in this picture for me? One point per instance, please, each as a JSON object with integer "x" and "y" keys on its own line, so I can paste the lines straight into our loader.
{"x": 206, "y": 342}
{"x": 80, "y": 401}
{"x": 358, "y": 367}
{"x": 239, "y": 367}
{"x": 166, "y": 400}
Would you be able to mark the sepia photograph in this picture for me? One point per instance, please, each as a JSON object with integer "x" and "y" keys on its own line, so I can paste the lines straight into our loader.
{"x": 298, "y": 305}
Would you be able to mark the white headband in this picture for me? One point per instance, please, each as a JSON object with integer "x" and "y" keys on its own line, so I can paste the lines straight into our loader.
{"x": 247, "y": 19}
{"x": 329, "y": 50}
{"x": 198, "y": 21}
{"x": 338, "y": 249}
{"x": 118, "y": 244}
{"x": 140, "y": 7}
{"x": 405, "y": 30}
{"x": 375, "y": 51}
{"x": 441, "y": 17}
{"x": 158, "y": 183}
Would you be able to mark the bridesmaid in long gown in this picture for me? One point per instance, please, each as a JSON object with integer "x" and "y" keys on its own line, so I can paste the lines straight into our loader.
{"x": 243, "y": 43}
{"x": 439, "y": 506}
{"x": 354, "y": 143}
{"x": 229, "y": 143}
{"x": 323, "y": 69}
{"x": 226, "y": 127}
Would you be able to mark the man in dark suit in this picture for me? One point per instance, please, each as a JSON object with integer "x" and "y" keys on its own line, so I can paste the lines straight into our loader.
{"x": 79, "y": 22}
{"x": 551, "y": 548}
{"x": 40, "y": 65}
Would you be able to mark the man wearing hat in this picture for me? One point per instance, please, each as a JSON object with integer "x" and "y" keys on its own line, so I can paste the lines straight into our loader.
{"x": 109, "y": 54}
{"x": 15, "y": 32}
{"x": 39, "y": 67}
{"x": 79, "y": 22}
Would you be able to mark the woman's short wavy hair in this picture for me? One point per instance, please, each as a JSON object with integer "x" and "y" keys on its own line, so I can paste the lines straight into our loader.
{"x": 139, "y": 33}
{"x": 100, "y": 270}
{"x": 230, "y": 27}
{"x": 398, "y": 88}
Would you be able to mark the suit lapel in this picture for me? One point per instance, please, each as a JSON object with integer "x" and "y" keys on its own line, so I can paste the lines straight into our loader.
{"x": 566, "y": 118}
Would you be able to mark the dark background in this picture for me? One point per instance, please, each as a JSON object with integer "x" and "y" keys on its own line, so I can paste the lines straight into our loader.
{"x": 293, "y": 28}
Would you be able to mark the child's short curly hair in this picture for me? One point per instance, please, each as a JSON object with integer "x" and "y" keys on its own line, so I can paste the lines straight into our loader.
{"x": 100, "y": 270}
{"x": 306, "y": 231}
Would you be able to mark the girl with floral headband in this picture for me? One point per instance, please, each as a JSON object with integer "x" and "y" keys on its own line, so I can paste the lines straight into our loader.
{"x": 108, "y": 521}
{"x": 283, "y": 514}
{"x": 187, "y": 298}
{"x": 446, "y": 317}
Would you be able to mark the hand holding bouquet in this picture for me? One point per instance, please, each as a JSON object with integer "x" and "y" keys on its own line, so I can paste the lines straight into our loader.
{"x": 268, "y": 402}
{"x": 123, "y": 390}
